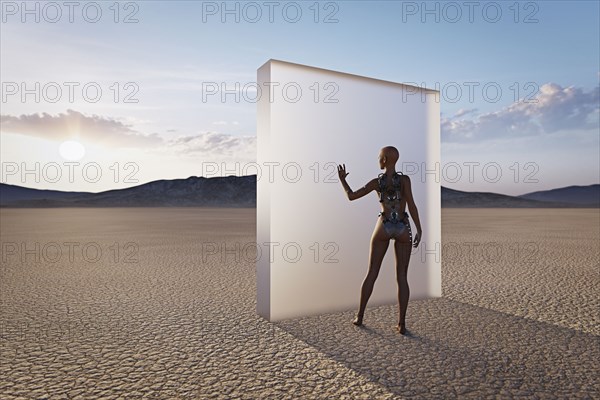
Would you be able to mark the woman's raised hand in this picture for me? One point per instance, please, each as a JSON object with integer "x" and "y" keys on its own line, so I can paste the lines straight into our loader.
{"x": 342, "y": 172}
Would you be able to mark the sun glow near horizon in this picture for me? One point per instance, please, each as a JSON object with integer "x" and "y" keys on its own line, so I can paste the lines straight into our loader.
{"x": 71, "y": 150}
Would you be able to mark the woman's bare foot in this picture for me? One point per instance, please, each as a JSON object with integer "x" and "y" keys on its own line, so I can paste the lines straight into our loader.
{"x": 358, "y": 320}
{"x": 401, "y": 328}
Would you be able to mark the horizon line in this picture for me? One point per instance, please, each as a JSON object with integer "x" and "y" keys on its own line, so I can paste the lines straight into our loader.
{"x": 242, "y": 176}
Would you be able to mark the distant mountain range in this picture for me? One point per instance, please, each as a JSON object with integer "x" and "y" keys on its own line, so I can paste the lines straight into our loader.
{"x": 570, "y": 196}
{"x": 230, "y": 191}
{"x": 240, "y": 191}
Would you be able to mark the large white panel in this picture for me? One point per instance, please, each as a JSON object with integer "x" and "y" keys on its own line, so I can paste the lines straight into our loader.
{"x": 338, "y": 118}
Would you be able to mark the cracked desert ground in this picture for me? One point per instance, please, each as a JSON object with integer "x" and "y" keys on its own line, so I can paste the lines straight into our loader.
{"x": 122, "y": 303}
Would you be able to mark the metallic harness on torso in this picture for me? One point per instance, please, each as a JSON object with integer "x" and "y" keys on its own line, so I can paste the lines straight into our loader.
{"x": 391, "y": 194}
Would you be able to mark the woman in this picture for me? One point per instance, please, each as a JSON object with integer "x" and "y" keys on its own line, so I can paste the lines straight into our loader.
{"x": 394, "y": 194}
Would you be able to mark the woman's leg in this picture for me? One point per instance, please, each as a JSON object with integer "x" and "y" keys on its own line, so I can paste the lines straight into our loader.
{"x": 402, "y": 247}
{"x": 379, "y": 245}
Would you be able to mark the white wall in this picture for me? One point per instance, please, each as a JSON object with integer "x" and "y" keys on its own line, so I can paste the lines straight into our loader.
{"x": 369, "y": 114}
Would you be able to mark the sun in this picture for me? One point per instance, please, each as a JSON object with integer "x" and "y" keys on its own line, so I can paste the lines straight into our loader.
{"x": 71, "y": 150}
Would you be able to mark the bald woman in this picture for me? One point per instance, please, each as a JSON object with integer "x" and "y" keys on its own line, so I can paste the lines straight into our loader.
{"x": 394, "y": 191}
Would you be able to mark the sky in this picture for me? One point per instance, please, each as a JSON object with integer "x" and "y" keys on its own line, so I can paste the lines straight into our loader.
{"x": 104, "y": 95}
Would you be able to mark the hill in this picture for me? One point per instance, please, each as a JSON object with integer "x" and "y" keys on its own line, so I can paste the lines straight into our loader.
{"x": 240, "y": 191}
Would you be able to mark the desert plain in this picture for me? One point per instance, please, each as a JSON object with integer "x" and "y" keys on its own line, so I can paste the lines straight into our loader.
{"x": 120, "y": 303}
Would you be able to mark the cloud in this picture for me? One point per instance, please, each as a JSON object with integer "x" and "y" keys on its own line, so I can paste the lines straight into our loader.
{"x": 75, "y": 125}
{"x": 216, "y": 144}
{"x": 554, "y": 109}
{"x": 225, "y": 123}
{"x": 463, "y": 112}
{"x": 113, "y": 133}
